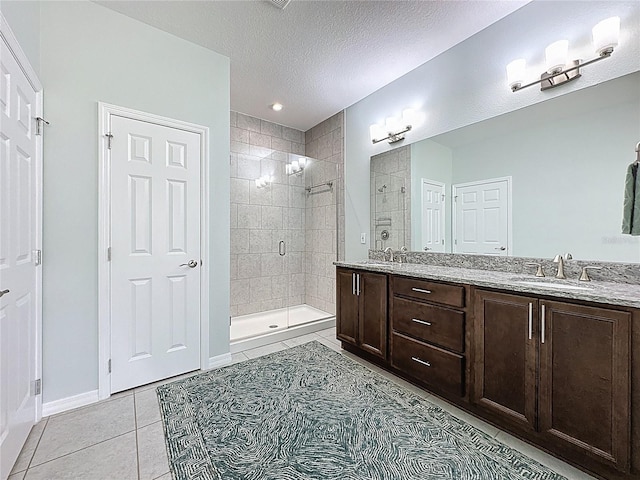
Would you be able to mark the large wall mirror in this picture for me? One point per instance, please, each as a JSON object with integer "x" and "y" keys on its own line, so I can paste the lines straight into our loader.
{"x": 536, "y": 182}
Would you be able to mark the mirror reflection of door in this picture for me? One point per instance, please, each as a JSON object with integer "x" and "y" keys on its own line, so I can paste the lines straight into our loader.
{"x": 482, "y": 222}
{"x": 433, "y": 215}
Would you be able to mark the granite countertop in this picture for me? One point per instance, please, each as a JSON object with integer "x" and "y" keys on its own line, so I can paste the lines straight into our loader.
{"x": 621, "y": 294}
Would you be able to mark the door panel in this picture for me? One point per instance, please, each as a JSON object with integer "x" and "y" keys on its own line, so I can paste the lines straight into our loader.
{"x": 347, "y": 306}
{"x": 20, "y": 191}
{"x": 584, "y": 365}
{"x": 372, "y": 331}
{"x": 506, "y": 362}
{"x": 433, "y": 214}
{"x": 482, "y": 217}
{"x": 155, "y": 228}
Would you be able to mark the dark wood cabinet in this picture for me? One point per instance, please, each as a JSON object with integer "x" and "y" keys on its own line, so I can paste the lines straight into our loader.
{"x": 583, "y": 402}
{"x": 361, "y": 317}
{"x": 428, "y": 333}
{"x": 557, "y": 371}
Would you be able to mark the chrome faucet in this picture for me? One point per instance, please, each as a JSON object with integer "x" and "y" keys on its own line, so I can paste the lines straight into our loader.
{"x": 388, "y": 250}
{"x": 403, "y": 254}
{"x": 560, "y": 259}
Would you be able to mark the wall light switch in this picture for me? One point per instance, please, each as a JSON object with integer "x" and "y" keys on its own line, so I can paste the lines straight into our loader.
{"x": 363, "y": 238}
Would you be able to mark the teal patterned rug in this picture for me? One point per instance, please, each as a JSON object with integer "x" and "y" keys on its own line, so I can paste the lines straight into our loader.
{"x": 311, "y": 413}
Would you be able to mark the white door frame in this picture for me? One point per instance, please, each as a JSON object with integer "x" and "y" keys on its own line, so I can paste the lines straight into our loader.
{"x": 12, "y": 43}
{"x": 105, "y": 112}
{"x": 454, "y": 224}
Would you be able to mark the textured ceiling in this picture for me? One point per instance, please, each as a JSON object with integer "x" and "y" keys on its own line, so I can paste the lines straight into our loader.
{"x": 317, "y": 57}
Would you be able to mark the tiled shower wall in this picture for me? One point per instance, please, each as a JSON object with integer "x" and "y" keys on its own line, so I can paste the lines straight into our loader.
{"x": 325, "y": 142}
{"x": 261, "y": 279}
{"x": 391, "y": 199}
{"x": 260, "y": 218}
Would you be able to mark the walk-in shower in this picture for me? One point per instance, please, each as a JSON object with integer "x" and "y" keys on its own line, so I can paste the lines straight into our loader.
{"x": 283, "y": 243}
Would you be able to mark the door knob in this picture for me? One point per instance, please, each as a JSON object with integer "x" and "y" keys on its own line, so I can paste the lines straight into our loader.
{"x": 191, "y": 264}
{"x": 500, "y": 248}
{"x": 3, "y": 292}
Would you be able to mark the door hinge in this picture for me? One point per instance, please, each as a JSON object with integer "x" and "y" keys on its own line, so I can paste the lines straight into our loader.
{"x": 37, "y": 257}
{"x": 40, "y": 123}
{"x": 109, "y": 366}
{"x": 455, "y": 242}
{"x": 455, "y": 198}
{"x": 229, "y": 320}
{"x": 109, "y": 138}
{"x": 442, "y": 196}
{"x": 108, "y": 254}
{"x": 36, "y": 388}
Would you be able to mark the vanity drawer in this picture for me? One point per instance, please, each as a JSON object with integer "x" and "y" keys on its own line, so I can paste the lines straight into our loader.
{"x": 442, "y": 326}
{"x": 432, "y": 365}
{"x": 430, "y": 291}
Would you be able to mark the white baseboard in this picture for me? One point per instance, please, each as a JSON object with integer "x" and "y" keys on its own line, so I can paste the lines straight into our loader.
{"x": 219, "y": 361}
{"x": 69, "y": 403}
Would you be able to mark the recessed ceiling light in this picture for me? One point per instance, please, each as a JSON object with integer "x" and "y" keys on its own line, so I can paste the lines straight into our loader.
{"x": 276, "y": 107}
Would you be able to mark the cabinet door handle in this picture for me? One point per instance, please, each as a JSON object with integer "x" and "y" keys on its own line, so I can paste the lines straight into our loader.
{"x": 542, "y": 326}
{"x": 422, "y": 362}
{"x": 358, "y": 284}
{"x": 353, "y": 283}
{"x": 530, "y": 320}
{"x": 417, "y": 320}
{"x": 282, "y": 248}
{"x": 421, "y": 290}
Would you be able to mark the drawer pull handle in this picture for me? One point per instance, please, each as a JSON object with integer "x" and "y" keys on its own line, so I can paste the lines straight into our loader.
{"x": 421, "y": 290}
{"x": 422, "y": 362}
{"x": 417, "y": 320}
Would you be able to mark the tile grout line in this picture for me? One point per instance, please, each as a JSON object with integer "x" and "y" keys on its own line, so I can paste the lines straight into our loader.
{"x": 135, "y": 425}
{"x": 35, "y": 449}
{"x": 83, "y": 448}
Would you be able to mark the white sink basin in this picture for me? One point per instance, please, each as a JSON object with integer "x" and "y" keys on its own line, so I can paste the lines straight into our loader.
{"x": 552, "y": 285}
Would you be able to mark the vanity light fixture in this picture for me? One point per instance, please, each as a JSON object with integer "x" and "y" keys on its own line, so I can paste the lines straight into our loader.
{"x": 559, "y": 70}
{"x": 296, "y": 166}
{"x": 394, "y": 128}
{"x": 264, "y": 181}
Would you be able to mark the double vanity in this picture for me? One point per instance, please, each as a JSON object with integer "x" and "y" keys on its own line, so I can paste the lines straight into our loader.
{"x": 549, "y": 361}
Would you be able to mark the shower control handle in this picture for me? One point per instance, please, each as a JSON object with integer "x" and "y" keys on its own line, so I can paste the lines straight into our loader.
{"x": 282, "y": 249}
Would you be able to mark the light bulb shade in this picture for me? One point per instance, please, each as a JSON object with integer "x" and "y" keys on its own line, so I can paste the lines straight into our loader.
{"x": 377, "y": 132}
{"x": 556, "y": 55}
{"x": 606, "y": 35}
{"x": 515, "y": 72}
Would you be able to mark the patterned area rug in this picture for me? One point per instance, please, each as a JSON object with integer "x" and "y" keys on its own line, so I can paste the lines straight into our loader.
{"x": 311, "y": 413}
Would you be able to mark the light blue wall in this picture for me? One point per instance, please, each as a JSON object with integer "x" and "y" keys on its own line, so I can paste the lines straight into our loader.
{"x": 432, "y": 161}
{"x": 467, "y": 84}
{"x": 91, "y": 54}
{"x": 24, "y": 20}
{"x": 568, "y": 178}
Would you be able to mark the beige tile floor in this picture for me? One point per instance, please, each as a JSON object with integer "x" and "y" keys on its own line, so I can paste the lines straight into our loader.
{"x": 121, "y": 438}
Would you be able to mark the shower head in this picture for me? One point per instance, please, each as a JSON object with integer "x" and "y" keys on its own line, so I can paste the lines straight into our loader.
{"x": 382, "y": 188}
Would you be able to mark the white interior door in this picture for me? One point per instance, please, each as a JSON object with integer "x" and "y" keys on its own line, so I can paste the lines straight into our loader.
{"x": 20, "y": 193}
{"x": 433, "y": 215}
{"x": 482, "y": 217}
{"x": 155, "y": 256}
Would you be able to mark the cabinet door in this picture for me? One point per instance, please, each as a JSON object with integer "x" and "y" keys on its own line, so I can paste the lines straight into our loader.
{"x": 346, "y": 306}
{"x": 505, "y": 358}
{"x": 372, "y": 334}
{"x": 584, "y": 382}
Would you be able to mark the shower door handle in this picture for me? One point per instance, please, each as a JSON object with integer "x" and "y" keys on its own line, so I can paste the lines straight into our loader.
{"x": 282, "y": 249}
